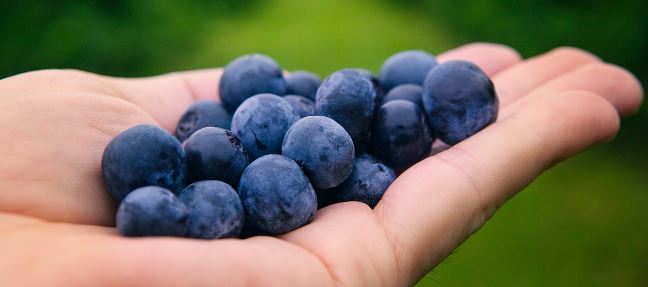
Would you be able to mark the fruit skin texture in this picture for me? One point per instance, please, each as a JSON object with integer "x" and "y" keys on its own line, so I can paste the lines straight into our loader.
{"x": 302, "y": 83}
{"x": 152, "y": 211}
{"x": 407, "y": 92}
{"x": 322, "y": 148}
{"x": 407, "y": 67}
{"x": 261, "y": 123}
{"x": 401, "y": 136}
{"x": 141, "y": 156}
{"x": 216, "y": 154}
{"x": 247, "y": 76}
{"x": 459, "y": 100}
{"x": 380, "y": 92}
{"x": 367, "y": 183}
{"x": 215, "y": 210}
{"x": 302, "y": 106}
{"x": 201, "y": 114}
{"x": 348, "y": 98}
{"x": 276, "y": 194}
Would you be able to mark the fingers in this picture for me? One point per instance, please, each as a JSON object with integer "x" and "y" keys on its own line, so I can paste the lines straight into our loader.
{"x": 464, "y": 185}
{"x": 608, "y": 81}
{"x": 492, "y": 58}
{"x": 521, "y": 79}
{"x": 166, "y": 97}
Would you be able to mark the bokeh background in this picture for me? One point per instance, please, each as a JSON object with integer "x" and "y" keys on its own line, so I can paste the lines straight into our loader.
{"x": 584, "y": 223}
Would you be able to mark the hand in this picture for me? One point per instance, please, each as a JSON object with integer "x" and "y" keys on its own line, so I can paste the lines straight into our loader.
{"x": 55, "y": 215}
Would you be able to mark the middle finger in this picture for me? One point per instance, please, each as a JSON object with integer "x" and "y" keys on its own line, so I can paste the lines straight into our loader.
{"x": 520, "y": 79}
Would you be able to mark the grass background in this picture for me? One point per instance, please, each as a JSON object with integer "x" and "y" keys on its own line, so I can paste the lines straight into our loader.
{"x": 584, "y": 223}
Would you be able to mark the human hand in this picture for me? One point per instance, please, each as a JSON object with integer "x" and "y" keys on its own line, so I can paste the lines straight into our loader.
{"x": 55, "y": 215}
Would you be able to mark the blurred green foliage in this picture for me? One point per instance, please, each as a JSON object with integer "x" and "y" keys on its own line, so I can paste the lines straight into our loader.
{"x": 581, "y": 224}
{"x": 115, "y": 37}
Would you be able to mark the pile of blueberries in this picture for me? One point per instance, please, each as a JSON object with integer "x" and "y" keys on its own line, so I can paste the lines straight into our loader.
{"x": 279, "y": 147}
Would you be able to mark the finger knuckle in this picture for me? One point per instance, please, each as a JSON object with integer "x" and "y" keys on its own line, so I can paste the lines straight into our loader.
{"x": 460, "y": 161}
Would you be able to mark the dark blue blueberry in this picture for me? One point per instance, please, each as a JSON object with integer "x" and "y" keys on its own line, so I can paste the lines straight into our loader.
{"x": 407, "y": 67}
{"x": 348, "y": 98}
{"x": 201, "y": 114}
{"x": 152, "y": 211}
{"x": 140, "y": 156}
{"x": 276, "y": 195}
{"x": 380, "y": 92}
{"x": 215, "y": 210}
{"x": 302, "y": 83}
{"x": 261, "y": 123}
{"x": 363, "y": 146}
{"x": 247, "y": 76}
{"x": 459, "y": 100}
{"x": 214, "y": 153}
{"x": 408, "y": 92}
{"x": 301, "y": 105}
{"x": 367, "y": 183}
{"x": 400, "y": 135}
{"x": 322, "y": 148}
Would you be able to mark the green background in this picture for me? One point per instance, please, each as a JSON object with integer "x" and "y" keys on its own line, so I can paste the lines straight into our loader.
{"x": 584, "y": 223}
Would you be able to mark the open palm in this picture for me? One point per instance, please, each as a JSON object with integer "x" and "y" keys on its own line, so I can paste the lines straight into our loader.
{"x": 56, "y": 217}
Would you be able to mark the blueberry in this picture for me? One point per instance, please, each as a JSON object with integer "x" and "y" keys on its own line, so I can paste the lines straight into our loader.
{"x": 152, "y": 211}
{"x": 201, "y": 114}
{"x": 322, "y": 148}
{"x": 301, "y": 105}
{"x": 348, "y": 98}
{"x": 214, "y": 153}
{"x": 261, "y": 123}
{"x": 400, "y": 134}
{"x": 215, "y": 210}
{"x": 302, "y": 83}
{"x": 140, "y": 156}
{"x": 247, "y": 76}
{"x": 380, "y": 92}
{"x": 407, "y": 67}
{"x": 459, "y": 100}
{"x": 408, "y": 92}
{"x": 367, "y": 183}
{"x": 276, "y": 195}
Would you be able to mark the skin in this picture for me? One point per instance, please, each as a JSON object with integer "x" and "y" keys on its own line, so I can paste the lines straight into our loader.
{"x": 55, "y": 216}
